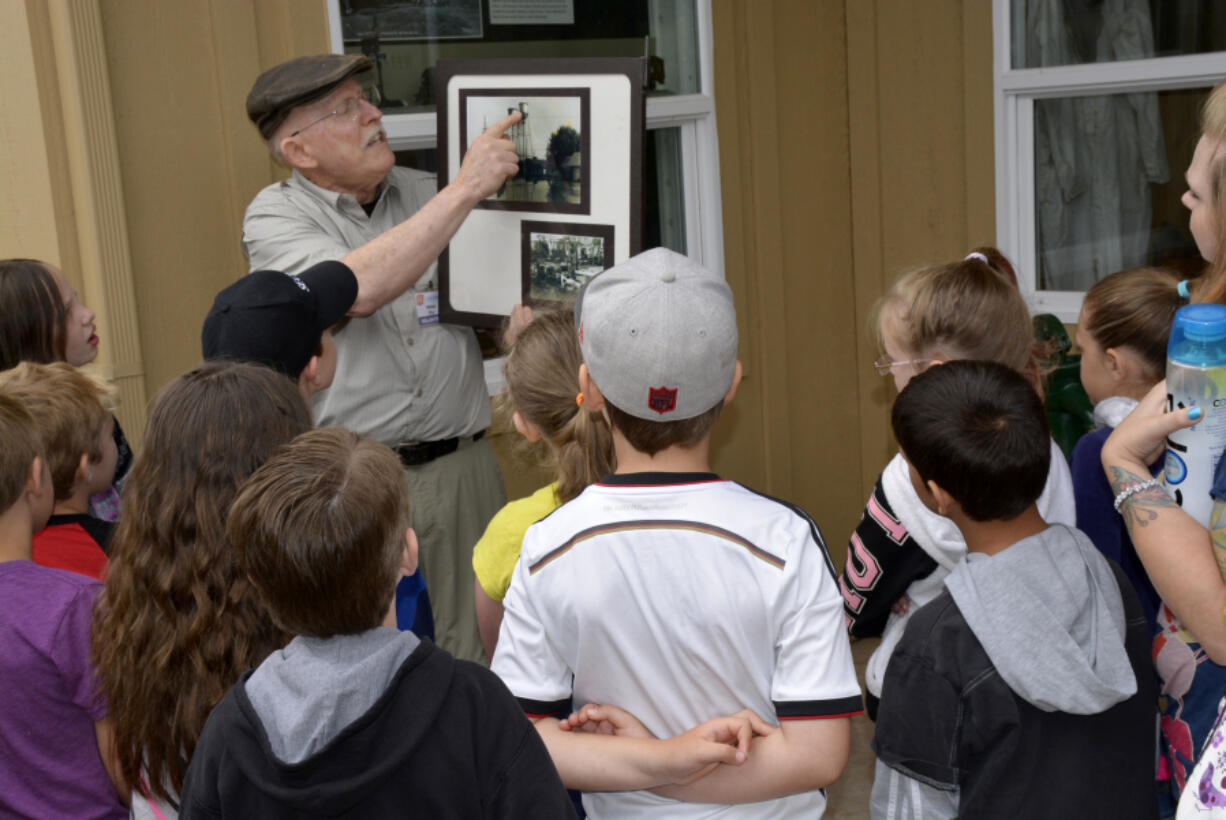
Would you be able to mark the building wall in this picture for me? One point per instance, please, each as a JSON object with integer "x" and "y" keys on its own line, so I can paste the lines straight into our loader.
{"x": 855, "y": 141}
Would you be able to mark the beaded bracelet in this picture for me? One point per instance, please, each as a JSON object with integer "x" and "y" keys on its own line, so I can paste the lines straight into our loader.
{"x": 1129, "y": 492}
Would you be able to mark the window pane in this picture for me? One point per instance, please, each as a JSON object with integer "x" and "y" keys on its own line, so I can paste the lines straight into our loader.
{"x": 1071, "y": 32}
{"x": 1108, "y": 181}
{"x": 406, "y": 37}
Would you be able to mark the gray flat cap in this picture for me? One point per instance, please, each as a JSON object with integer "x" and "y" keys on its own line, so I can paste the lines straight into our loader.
{"x": 279, "y": 89}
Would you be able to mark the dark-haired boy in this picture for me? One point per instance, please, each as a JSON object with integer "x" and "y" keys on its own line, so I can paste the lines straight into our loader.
{"x": 1025, "y": 689}
{"x": 353, "y": 719}
{"x": 669, "y": 592}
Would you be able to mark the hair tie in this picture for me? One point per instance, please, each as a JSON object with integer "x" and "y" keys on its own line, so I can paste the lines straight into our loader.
{"x": 579, "y": 400}
{"x": 1182, "y": 287}
{"x": 977, "y": 255}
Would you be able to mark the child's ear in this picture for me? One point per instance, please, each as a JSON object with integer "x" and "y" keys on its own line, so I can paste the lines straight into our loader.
{"x": 408, "y": 558}
{"x": 593, "y": 399}
{"x": 310, "y": 373}
{"x": 1116, "y": 363}
{"x": 526, "y": 428}
{"x": 736, "y": 382}
{"x": 945, "y": 501}
{"x": 85, "y": 473}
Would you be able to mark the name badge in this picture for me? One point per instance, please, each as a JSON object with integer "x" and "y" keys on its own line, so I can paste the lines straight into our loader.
{"x": 427, "y": 307}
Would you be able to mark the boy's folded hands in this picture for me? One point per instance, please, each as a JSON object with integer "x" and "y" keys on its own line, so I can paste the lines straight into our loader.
{"x": 688, "y": 756}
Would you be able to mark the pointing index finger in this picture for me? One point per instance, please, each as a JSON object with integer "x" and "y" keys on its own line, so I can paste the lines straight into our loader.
{"x": 499, "y": 128}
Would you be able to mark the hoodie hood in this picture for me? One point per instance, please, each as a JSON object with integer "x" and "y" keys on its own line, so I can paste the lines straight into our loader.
{"x": 937, "y": 536}
{"x": 1048, "y": 612}
{"x": 330, "y": 720}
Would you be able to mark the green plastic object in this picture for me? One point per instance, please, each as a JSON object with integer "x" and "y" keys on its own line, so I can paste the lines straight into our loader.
{"x": 1069, "y": 411}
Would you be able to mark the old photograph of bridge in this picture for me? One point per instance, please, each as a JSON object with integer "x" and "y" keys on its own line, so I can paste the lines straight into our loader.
{"x": 551, "y": 139}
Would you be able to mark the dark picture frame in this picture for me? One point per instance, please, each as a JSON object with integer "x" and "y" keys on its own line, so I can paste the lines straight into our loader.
{"x": 568, "y": 268}
{"x": 483, "y": 271}
{"x": 550, "y": 179}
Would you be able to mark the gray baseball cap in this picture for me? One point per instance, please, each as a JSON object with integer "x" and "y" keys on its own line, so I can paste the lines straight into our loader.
{"x": 658, "y": 334}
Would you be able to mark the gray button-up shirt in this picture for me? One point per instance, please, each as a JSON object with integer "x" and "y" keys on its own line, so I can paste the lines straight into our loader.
{"x": 396, "y": 380}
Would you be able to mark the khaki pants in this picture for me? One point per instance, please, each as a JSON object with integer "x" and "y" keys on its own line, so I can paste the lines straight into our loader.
{"x": 452, "y": 499}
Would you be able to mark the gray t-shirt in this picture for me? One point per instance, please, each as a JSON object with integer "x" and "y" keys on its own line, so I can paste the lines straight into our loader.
{"x": 397, "y": 380}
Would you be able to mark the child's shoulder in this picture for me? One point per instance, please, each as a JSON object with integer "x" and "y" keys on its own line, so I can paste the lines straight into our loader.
{"x": 649, "y": 501}
{"x": 60, "y": 584}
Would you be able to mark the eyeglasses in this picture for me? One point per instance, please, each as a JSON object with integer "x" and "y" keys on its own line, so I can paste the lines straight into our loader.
{"x": 349, "y": 107}
{"x": 885, "y": 364}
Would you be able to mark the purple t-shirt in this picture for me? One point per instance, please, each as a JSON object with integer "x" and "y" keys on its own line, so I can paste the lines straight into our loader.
{"x": 49, "y": 761}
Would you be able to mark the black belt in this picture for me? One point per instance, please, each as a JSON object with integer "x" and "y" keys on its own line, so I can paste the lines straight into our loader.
{"x": 423, "y": 452}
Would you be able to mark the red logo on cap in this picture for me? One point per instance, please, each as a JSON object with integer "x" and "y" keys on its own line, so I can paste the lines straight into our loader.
{"x": 581, "y": 333}
{"x": 661, "y": 399}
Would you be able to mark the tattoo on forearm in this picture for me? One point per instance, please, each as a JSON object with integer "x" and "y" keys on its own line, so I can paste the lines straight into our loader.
{"x": 1217, "y": 531}
{"x": 1140, "y": 508}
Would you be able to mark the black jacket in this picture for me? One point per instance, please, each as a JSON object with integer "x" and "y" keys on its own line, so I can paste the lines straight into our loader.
{"x": 446, "y": 739}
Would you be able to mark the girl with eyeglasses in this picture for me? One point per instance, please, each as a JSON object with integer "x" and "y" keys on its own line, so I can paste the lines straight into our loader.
{"x": 901, "y": 551}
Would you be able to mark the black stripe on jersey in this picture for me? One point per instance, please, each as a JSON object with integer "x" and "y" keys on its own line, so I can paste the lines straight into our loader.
{"x": 545, "y": 708}
{"x": 810, "y": 709}
{"x": 657, "y": 524}
{"x": 817, "y": 533}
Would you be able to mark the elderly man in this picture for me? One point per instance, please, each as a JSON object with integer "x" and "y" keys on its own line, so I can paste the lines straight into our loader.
{"x": 401, "y": 377}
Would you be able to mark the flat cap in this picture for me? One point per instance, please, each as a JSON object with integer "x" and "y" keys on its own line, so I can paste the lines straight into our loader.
{"x": 279, "y": 89}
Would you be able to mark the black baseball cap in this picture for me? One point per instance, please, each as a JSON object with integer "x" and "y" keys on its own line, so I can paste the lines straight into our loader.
{"x": 277, "y": 319}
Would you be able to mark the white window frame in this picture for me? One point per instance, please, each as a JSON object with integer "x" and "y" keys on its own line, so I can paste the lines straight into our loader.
{"x": 1015, "y": 92}
{"x": 692, "y": 114}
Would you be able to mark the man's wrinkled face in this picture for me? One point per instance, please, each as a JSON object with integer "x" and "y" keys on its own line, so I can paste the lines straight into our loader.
{"x": 349, "y": 149}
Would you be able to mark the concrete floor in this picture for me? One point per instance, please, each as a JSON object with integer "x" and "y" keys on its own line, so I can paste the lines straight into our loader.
{"x": 847, "y": 799}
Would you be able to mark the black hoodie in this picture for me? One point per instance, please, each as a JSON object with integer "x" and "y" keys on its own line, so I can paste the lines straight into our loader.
{"x": 445, "y": 739}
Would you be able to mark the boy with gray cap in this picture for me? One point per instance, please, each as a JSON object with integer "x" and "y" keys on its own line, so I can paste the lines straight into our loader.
{"x": 670, "y": 592}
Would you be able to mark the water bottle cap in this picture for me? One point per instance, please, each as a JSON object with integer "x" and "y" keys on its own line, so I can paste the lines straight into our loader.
{"x": 1202, "y": 323}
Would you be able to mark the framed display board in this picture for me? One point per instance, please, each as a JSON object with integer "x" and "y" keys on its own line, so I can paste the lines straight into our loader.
{"x": 575, "y": 207}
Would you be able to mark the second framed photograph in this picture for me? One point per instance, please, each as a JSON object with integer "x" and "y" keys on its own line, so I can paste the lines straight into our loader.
{"x": 559, "y": 258}
{"x": 551, "y": 139}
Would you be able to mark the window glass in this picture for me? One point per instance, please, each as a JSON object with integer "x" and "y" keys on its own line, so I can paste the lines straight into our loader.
{"x": 1108, "y": 177}
{"x": 405, "y": 38}
{"x": 1072, "y": 32}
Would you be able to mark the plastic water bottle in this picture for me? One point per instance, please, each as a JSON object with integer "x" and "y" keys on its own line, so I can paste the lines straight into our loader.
{"x": 1196, "y": 377}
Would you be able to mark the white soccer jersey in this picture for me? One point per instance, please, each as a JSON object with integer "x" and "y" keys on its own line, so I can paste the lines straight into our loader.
{"x": 679, "y": 597}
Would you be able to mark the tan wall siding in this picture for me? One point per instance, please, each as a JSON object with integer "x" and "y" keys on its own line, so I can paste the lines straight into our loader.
{"x": 856, "y": 140}
{"x": 191, "y": 160}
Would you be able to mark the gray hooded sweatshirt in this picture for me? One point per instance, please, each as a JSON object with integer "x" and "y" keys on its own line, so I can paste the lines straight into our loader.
{"x": 1056, "y": 720}
{"x": 1053, "y": 626}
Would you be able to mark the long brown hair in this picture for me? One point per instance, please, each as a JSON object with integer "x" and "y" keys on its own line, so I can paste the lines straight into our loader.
{"x": 542, "y": 372}
{"x": 33, "y": 318}
{"x": 177, "y": 621}
{"x": 1211, "y": 287}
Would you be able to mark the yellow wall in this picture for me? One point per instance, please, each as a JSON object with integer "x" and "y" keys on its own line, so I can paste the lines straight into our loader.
{"x": 855, "y": 141}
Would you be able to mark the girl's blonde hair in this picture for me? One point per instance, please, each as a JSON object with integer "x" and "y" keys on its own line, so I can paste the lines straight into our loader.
{"x": 969, "y": 309}
{"x": 542, "y": 372}
{"x": 1211, "y": 287}
{"x": 1134, "y": 309}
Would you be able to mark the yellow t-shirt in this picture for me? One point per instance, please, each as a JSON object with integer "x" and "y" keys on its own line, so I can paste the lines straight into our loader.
{"x": 495, "y": 555}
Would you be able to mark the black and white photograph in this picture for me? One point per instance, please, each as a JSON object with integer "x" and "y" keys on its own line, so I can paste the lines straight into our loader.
{"x": 574, "y": 206}
{"x": 403, "y": 21}
{"x": 551, "y": 140}
{"x": 559, "y": 258}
